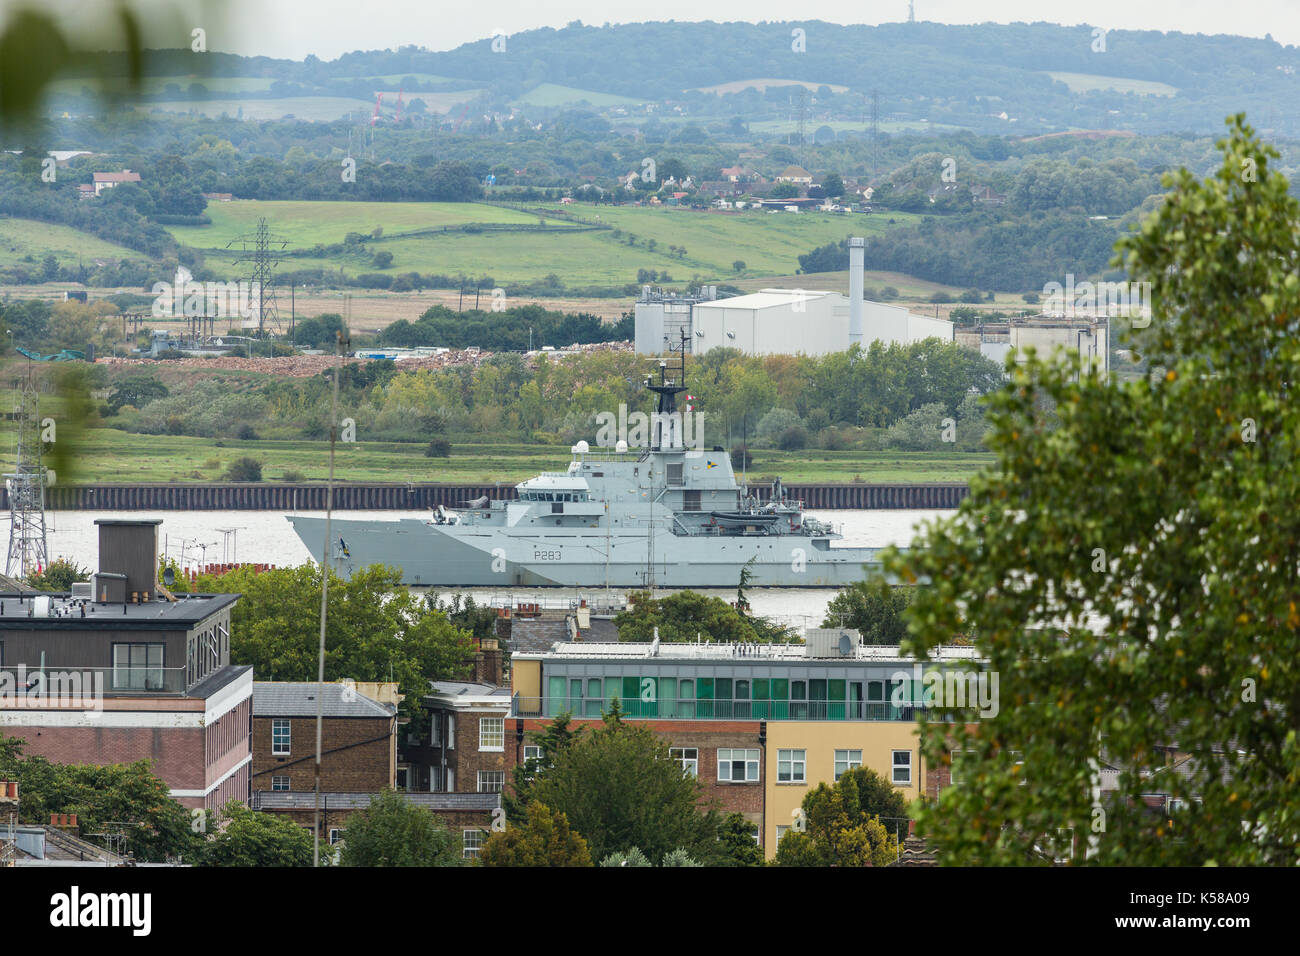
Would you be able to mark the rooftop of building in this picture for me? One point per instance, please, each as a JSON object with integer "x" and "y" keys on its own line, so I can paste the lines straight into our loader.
{"x": 717, "y": 651}
{"x": 468, "y": 690}
{"x": 299, "y": 699}
{"x": 60, "y": 611}
{"x": 767, "y": 299}
{"x": 306, "y": 800}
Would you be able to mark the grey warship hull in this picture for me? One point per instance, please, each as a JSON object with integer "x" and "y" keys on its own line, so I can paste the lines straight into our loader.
{"x": 462, "y": 555}
{"x": 671, "y": 516}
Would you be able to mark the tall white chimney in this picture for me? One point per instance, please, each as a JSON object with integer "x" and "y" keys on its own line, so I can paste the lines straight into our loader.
{"x": 857, "y": 250}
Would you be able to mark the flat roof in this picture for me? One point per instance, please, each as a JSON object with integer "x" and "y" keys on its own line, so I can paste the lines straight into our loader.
{"x": 63, "y": 613}
{"x": 667, "y": 651}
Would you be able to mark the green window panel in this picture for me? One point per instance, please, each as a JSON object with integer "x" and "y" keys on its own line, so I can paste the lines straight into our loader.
{"x": 762, "y": 694}
{"x": 631, "y": 697}
{"x": 686, "y": 699}
{"x": 704, "y": 697}
{"x": 591, "y": 706}
{"x": 835, "y": 691}
{"x": 780, "y": 698}
{"x": 556, "y": 689}
{"x": 723, "y": 706}
{"x": 668, "y": 697}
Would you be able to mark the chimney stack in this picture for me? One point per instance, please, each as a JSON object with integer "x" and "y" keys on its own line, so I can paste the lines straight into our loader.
{"x": 128, "y": 558}
{"x": 857, "y": 253}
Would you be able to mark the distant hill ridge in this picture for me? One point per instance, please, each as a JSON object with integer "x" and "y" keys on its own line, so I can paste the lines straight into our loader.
{"x": 974, "y": 73}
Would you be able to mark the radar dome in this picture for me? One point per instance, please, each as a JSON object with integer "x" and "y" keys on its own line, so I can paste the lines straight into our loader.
{"x": 621, "y": 447}
{"x": 582, "y": 448}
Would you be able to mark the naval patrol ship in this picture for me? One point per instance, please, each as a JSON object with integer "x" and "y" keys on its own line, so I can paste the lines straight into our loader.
{"x": 667, "y": 516}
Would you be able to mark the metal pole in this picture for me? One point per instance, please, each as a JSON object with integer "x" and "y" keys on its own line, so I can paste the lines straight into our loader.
{"x": 324, "y": 596}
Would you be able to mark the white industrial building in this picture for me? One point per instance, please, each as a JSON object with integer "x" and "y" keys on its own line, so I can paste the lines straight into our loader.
{"x": 781, "y": 321}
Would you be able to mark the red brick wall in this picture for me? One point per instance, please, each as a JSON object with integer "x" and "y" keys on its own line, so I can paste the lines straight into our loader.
{"x": 705, "y": 736}
{"x": 176, "y": 752}
{"x": 355, "y": 754}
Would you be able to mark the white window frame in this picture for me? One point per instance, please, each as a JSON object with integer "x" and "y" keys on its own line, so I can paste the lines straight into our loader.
{"x": 954, "y": 758}
{"x": 848, "y": 760}
{"x": 795, "y": 763}
{"x": 451, "y": 731}
{"x": 532, "y": 752}
{"x": 490, "y": 729}
{"x": 690, "y": 764}
{"x": 751, "y": 764}
{"x": 491, "y": 773}
{"x": 780, "y": 832}
{"x": 435, "y": 729}
{"x": 336, "y": 836}
{"x": 896, "y": 767}
{"x": 278, "y": 777}
{"x": 435, "y": 779}
{"x": 276, "y": 724}
{"x": 471, "y": 841}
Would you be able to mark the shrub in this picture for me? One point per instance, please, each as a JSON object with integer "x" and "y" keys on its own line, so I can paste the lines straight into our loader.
{"x": 741, "y": 457}
{"x": 792, "y": 439}
{"x": 244, "y": 469}
{"x": 246, "y": 433}
{"x": 292, "y": 474}
{"x": 438, "y": 448}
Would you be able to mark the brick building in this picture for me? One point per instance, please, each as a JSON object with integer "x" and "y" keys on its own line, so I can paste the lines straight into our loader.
{"x": 358, "y": 738}
{"x": 470, "y": 815}
{"x": 121, "y": 670}
{"x": 464, "y": 750}
{"x": 760, "y": 725}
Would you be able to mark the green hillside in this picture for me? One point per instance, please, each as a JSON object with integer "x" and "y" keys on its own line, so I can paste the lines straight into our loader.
{"x": 26, "y": 240}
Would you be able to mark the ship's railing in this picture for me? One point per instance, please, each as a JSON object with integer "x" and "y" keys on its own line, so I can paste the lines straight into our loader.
{"x": 596, "y": 602}
{"x": 681, "y": 708}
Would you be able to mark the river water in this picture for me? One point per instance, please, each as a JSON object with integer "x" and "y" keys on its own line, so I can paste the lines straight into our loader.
{"x": 263, "y": 537}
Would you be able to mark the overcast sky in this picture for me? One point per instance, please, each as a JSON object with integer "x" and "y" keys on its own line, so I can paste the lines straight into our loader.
{"x": 327, "y": 28}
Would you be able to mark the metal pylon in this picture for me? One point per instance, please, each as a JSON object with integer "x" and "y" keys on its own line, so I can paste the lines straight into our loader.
{"x": 26, "y": 487}
{"x": 256, "y": 252}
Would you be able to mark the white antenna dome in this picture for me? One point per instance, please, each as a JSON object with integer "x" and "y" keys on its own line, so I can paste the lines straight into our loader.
{"x": 582, "y": 448}
{"x": 621, "y": 446}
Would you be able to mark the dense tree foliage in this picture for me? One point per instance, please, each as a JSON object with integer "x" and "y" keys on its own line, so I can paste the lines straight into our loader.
{"x": 58, "y": 575}
{"x": 375, "y": 631}
{"x": 392, "y": 832}
{"x": 238, "y": 836}
{"x": 1160, "y": 619}
{"x": 515, "y": 328}
{"x": 682, "y": 616}
{"x": 544, "y": 839}
{"x": 853, "y": 822}
{"x": 876, "y": 613}
{"x": 620, "y": 788}
{"x": 104, "y": 798}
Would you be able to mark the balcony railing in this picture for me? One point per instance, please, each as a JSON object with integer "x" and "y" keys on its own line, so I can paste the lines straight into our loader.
{"x": 30, "y": 683}
{"x": 664, "y": 708}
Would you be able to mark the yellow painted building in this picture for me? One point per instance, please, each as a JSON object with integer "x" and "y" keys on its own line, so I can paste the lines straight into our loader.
{"x": 802, "y": 754}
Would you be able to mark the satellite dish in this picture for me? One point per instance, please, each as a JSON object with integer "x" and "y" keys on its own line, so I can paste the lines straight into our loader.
{"x": 169, "y": 576}
{"x": 846, "y": 645}
{"x": 621, "y": 447}
{"x": 582, "y": 448}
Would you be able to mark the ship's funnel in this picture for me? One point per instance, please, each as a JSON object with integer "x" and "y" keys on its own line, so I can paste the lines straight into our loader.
{"x": 857, "y": 251}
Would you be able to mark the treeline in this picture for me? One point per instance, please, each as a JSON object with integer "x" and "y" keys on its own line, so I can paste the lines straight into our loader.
{"x": 840, "y": 401}
{"x": 984, "y": 250}
{"x": 511, "y": 329}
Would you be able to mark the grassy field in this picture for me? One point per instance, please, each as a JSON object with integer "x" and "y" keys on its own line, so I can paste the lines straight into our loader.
{"x": 552, "y": 94}
{"x": 23, "y": 238}
{"x": 106, "y": 454}
{"x": 314, "y": 223}
{"x": 1083, "y": 82}
{"x": 769, "y": 245}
